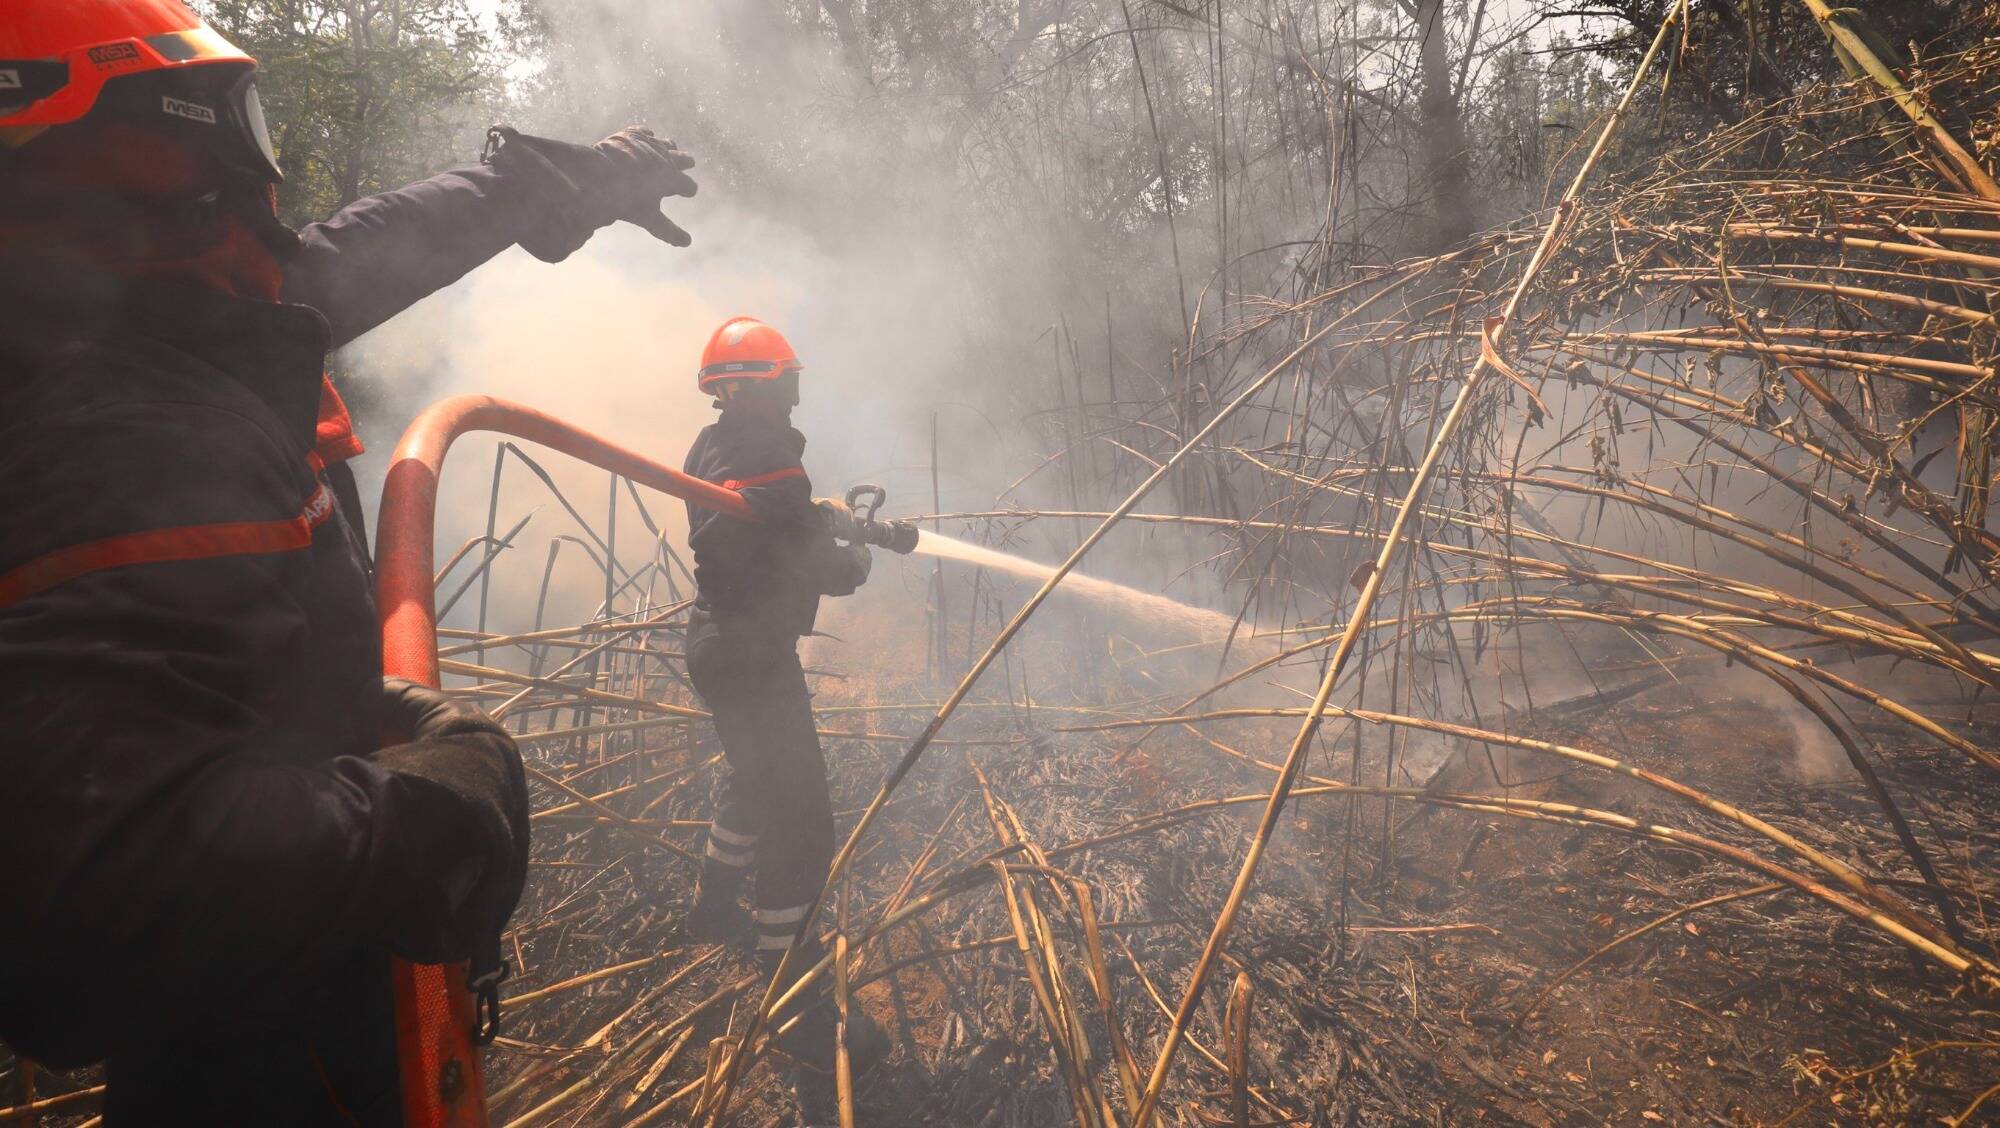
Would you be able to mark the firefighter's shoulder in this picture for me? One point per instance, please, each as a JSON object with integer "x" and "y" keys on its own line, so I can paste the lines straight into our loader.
{"x": 116, "y": 454}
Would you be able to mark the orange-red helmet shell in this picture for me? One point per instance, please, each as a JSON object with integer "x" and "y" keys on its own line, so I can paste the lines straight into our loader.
{"x": 56, "y": 55}
{"x": 745, "y": 348}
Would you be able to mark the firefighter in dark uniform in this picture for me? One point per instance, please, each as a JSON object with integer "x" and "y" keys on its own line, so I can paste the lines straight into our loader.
{"x": 210, "y": 854}
{"x": 758, "y": 590}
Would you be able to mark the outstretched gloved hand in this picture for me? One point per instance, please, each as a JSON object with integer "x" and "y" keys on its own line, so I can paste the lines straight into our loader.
{"x": 626, "y": 176}
{"x": 481, "y": 865}
{"x": 640, "y": 171}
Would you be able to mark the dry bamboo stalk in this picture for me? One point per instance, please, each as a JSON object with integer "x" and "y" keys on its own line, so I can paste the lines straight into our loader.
{"x": 630, "y": 826}
{"x": 1213, "y": 1060}
{"x": 1835, "y": 289}
{"x": 664, "y": 708}
{"x": 588, "y": 1081}
{"x": 721, "y": 1051}
{"x": 659, "y": 1067}
{"x": 1044, "y": 975}
{"x": 1960, "y": 164}
{"x": 842, "y": 1002}
{"x": 35, "y": 1106}
{"x": 1888, "y": 539}
{"x": 982, "y": 870}
{"x": 596, "y": 626}
{"x": 1847, "y": 876}
{"x": 603, "y": 1033}
{"x": 573, "y": 807}
{"x": 585, "y": 979}
{"x": 1897, "y": 924}
{"x": 1545, "y": 811}
{"x": 1237, "y": 1021}
{"x": 693, "y": 1088}
{"x": 1100, "y": 981}
{"x": 1920, "y": 371}
{"x": 1976, "y": 667}
{"x": 1412, "y": 498}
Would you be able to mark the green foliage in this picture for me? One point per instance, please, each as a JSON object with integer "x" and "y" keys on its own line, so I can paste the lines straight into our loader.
{"x": 364, "y": 95}
{"x": 1743, "y": 52}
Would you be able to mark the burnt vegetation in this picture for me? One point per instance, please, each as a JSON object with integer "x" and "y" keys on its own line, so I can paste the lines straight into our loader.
{"x": 1587, "y": 420}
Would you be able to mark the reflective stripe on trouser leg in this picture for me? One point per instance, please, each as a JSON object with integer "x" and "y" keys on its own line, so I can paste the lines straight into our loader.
{"x": 775, "y": 927}
{"x": 722, "y": 855}
{"x": 732, "y": 842}
{"x": 730, "y": 847}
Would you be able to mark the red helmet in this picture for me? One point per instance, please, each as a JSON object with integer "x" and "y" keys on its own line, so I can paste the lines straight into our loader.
{"x": 745, "y": 348}
{"x": 146, "y": 60}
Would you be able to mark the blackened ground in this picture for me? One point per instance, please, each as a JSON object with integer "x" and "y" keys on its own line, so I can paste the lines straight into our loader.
{"x": 1764, "y": 1010}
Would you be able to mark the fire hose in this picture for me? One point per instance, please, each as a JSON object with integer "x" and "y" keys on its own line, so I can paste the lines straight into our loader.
{"x": 436, "y": 1018}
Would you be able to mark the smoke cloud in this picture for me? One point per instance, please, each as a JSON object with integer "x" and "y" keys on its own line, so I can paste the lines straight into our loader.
{"x": 855, "y": 219}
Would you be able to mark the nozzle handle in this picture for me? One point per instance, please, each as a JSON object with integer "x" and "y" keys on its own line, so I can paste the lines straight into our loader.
{"x": 876, "y": 495}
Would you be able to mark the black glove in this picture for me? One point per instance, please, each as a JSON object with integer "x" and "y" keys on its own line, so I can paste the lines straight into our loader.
{"x": 456, "y": 746}
{"x": 848, "y": 568}
{"x": 625, "y": 176}
{"x": 863, "y": 561}
{"x": 415, "y": 712}
{"x": 839, "y": 518}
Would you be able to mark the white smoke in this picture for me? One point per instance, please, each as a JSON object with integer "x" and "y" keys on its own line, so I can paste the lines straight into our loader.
{"x": 906, "y": 293}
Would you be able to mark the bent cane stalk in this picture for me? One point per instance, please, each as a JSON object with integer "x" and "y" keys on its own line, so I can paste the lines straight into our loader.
{"x": 1412, "y": 499}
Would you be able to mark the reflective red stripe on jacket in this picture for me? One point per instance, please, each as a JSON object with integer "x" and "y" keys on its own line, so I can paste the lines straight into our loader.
{"x": 755, "y": 480}
{"x": 158, "y": 546}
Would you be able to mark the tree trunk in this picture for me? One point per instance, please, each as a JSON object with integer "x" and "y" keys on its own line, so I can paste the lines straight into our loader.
{"x": 1444, "y": 151}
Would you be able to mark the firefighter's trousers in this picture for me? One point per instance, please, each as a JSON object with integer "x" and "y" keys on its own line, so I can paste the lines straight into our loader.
{"x": 772, "y": 809}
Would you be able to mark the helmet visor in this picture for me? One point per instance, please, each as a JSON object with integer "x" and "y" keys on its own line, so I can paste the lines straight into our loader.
{"x": 250, "y": 111}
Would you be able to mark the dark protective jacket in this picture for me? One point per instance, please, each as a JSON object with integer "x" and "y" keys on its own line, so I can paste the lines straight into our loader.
{"x": 195, "y": 832}
{"x": 769, "y": 576}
